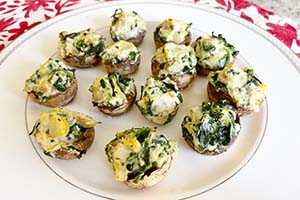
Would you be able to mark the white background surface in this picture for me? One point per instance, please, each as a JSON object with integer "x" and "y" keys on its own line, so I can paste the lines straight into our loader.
{"x": 273, "y": 173}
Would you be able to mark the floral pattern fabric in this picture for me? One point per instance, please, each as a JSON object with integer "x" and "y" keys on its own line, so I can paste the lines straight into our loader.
{"x": 18, "y": 16}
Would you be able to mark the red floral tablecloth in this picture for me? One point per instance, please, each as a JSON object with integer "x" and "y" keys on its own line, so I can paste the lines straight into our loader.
{"x": 18, "y": 16}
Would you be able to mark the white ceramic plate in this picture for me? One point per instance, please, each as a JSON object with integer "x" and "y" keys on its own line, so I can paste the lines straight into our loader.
{"x": 191, "y": 173}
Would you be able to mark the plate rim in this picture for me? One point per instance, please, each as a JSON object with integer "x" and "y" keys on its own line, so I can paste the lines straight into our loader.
{"x": 289, "y": 54}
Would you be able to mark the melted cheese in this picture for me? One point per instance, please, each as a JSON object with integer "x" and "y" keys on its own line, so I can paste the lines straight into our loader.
{"x": 126, "y": 25}
{"x": 128, "y": 154}
{"x": 245, "y": 91}
{"x": 120, "y": 51}
{"x": 43, "y": 81}
{"x": 79, "y": 43}
{"x": 107, "y": 91}
{"x": 157, "y": 105}
{"x": 52, "y": 130}
{"x": 213, "y": 52}
{"x": 175, "y": 60}
{"x": 173, "y": 30}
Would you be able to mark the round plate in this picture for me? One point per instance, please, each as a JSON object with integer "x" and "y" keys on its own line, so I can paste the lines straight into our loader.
{"x": 191, "y": 173}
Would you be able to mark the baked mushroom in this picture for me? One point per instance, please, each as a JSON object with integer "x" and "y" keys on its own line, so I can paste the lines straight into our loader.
{"x": 239, "y": 85}
{"x": 113, "y": 94}
{"x": 53, "y": 84}
{"x": 80, "y": 49}
{"x": 172, "y": 30}
{"x": 122, "y": 57}
{"x": 211, "y": 128}
{"x": 213, "y": 53}
{"x": 178, "y": 62}
{"x": 160, "y": 100}
{"x": 64, "y": 134}
{"x": 127, "y": 26}
{"x": 140, "y": 157}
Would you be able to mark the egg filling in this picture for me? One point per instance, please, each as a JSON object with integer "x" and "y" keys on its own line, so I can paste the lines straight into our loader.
{"x": 173, "y": 30}
{"x": 126, "y": 25}
{"x": 80, "y": 44}
{"x": 175, "y": 60}
{"x": 241, "y": 85}
{"x": 59, "y": 128}
{"x": 159, "y": 100}
{"x": 214, "y": 52}
{"x": 51, "y": 78}
{"x": 137, "y": 152}
{"x": 119, "y": 52}
{"x": 112, "y": 90}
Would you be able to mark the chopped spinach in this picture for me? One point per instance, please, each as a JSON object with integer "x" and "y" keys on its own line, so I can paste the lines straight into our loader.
{"x": 189, "y": 26}
{"x": 132, "y": 55}
{"x": 102, "y": 83}
{"x": 209, "y": 47}
{"x": 48, "y": 154}
{"x": 76, "y": 130}
{"x": 161, "y": 65}
{"x": 186, "y": 69}
{"x": 60, "y": 85}
{"x": 170, "y": 86}
{"x": 179, "y": 96}
{"x": 217, "y": 127}
{"x": 36, "y": 125}
{"x": 233, "y": 72}
{"x": 142, "y": 134}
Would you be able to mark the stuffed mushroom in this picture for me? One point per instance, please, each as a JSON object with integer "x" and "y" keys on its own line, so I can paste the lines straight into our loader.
{"x": 81, "y": 49}
{"x": 113, "y": 94}
{"x": 140, "y": 157}
{"x": 178, "y": 62}
{"x": 211, "y": 128}
{"x": 239, "y": 85}
{"x": 53, "y": 84}
{"x": 64, "y": 134}
{"x": 127, "y": 26}
{"x": 160, "y": 100}
{"x": 213, "y": 53}
{"x": 122, "y": 57}
{"x": 172, "y": 30}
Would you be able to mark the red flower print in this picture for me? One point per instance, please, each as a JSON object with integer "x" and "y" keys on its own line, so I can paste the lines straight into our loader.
{"x": 2, "y": 5}
{"x": 246, "y": 17}
{"x": 242, "y": 4}
{"x": 34, "y": 5}
{"x": 4, "y": 23}
{"x": 223, "y": 3}
{"x": 2, "y": 47}
{"x": 285, "y": 33}
{"x": 60, "y": 5}
{"x": 23, "y": 26}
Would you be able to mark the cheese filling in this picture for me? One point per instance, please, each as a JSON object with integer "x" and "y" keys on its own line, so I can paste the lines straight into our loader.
{"x": 137, "y": 151}
{"x": 173, "y": 30}
{"x": 119, "y": 52}
{"x": 126, "y": 25}
{"x": 175, "y": 60}
{"x": 112, "y": 90}
{"x": 211, "y": 127}
{"x": 81, "y": 44}
{"x": 59, "y": 128}
{"x": 241, "y": 85}
{"x": 159, "y": 100}
{"x": 213, "y": 52}
{"x": 51, "y": 78}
